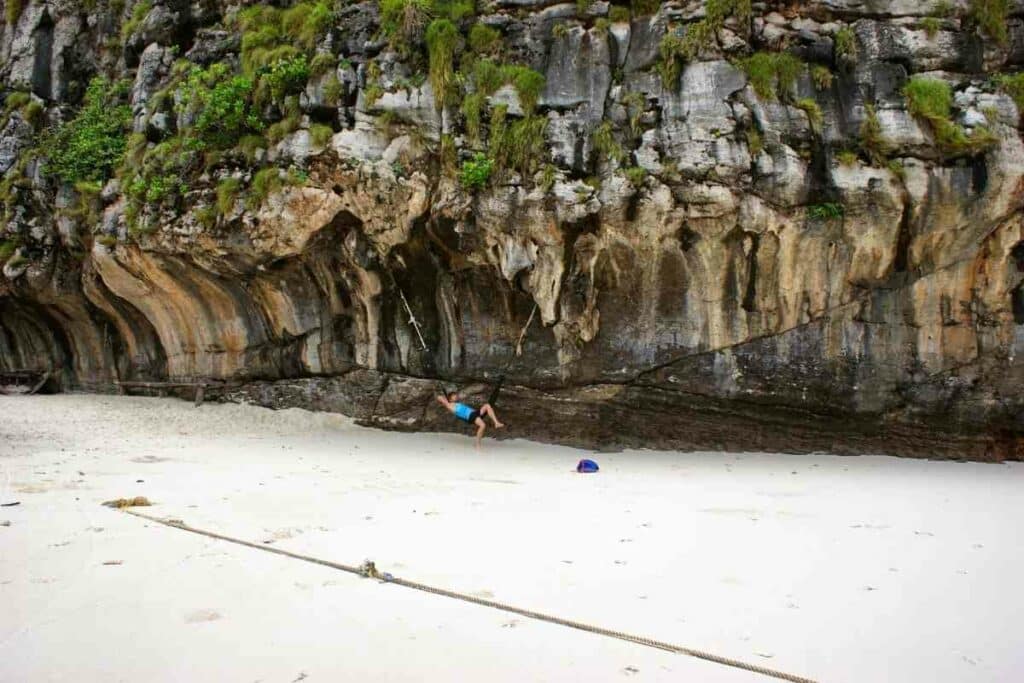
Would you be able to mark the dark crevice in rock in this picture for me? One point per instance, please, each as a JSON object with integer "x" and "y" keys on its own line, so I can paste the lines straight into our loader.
{"x": 750, "y": 294}
{"x": 41, "y": 78}
{"x": 687, "y": 238}
{"x": 1017, "y": 254}
{"x": 1017, "y": 301}
{"x": 903, "y": 239}
{"x": 979, "y": 174}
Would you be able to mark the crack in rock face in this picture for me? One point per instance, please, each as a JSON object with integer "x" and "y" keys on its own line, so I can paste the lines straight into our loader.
{"x": 690, "y": 251}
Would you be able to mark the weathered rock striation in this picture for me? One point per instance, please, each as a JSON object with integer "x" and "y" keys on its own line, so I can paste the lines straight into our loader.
{"x": 712, "y": 266}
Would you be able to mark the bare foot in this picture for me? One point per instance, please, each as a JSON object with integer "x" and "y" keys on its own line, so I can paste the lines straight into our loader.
{"x": 499, "y": 425}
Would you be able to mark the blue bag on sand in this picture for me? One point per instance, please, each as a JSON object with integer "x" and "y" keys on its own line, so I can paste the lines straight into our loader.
{"x": 586, "y": 466}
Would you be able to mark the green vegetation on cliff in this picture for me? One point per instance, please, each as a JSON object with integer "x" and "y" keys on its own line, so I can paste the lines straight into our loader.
{"x": 220, "y": 106}
{"x": 773, "y": 75}
{"x": 476, "y": 171}
{"x": 991, "y": 16}
{"x": 90, "y": 146}
{"x": 932, "y": 100}
{"x": 676, "y": 49}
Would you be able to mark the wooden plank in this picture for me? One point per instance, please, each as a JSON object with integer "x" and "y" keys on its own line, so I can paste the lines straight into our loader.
{"x": 39, "y": 384}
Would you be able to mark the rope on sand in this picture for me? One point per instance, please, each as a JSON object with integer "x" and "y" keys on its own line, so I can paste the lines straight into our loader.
{"x": 367, "y": 569}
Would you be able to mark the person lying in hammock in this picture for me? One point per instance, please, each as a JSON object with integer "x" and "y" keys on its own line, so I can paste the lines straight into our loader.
{"x": 471, "y": 415}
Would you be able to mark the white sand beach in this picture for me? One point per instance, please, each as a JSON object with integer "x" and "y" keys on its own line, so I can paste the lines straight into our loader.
{"x": 837, "y": 569}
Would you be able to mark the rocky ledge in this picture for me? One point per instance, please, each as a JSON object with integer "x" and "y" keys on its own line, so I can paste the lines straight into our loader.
{"x": 791, "y": 226}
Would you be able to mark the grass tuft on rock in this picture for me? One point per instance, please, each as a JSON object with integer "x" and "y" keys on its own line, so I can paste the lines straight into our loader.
{"x": 443, "y": 40}
{"x": 991, "y": 17}
{"x": 772, "y": 74}
{"x": 932, "y": 100}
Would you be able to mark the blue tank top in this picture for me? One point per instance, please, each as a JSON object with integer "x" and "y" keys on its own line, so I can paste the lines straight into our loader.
{"x": 462, "y": 411}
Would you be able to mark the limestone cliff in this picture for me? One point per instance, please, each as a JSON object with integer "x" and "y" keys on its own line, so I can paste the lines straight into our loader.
{"x": 783, "y": 225}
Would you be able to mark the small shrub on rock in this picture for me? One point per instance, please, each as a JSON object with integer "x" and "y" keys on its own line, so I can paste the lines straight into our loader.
{"x": 476, "y": 172}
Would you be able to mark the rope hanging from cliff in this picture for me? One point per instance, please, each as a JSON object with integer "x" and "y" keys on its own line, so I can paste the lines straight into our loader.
{"x": 369, "y": 570}
{"x": 522, "y": 334}
{"x": 412, "y": 318}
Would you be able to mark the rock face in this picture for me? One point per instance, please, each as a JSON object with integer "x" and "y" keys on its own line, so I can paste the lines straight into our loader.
{"x": 720, "y": 276}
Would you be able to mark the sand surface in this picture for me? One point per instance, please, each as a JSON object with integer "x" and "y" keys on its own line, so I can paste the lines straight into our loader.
{"x": 839, "y": 569}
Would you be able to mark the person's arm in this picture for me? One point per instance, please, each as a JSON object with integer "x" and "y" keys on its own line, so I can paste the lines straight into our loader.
{"x": 445, "y": 402}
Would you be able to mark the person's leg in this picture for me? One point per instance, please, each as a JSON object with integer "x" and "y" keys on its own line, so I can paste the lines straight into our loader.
{"x": 488, "y": 410}
{"x": 481, "y": 427}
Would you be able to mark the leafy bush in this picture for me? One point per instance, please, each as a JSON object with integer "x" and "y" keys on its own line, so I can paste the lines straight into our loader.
{"x": 476, "y": 171}
{"x": 220, "y": 105}
{"x": 990, "y": 16}
{"x": 772, "y": 74}
{"x": 931, "y": 26}
{"x": 825, "y": 212}
{"x": 90, "y": 146}
{"x": 285, "y": 77}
